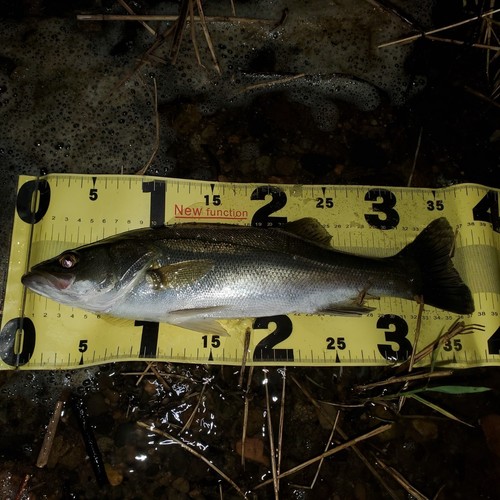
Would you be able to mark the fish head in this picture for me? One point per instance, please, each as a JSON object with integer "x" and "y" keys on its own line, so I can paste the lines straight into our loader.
{"x": 89, "y": 277}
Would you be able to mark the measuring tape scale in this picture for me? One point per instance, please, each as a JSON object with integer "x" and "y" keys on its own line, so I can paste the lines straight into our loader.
{"x": 71, "y": 210}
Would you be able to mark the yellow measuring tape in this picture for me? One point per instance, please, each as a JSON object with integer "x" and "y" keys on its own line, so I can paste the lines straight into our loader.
{"x": 62, "y": 211}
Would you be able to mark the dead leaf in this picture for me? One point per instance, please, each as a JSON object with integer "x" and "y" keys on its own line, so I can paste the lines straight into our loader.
{"x": 254, "y": 450}
{"x": 491, "y": 428}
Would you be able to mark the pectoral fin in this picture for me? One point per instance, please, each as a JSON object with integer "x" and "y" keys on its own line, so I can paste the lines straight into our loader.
{"x": 350, "y": 308}
{"x": 179, "y": 274}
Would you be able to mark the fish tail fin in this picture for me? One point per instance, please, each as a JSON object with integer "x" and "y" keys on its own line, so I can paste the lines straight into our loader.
{"x": 440, "y": 284}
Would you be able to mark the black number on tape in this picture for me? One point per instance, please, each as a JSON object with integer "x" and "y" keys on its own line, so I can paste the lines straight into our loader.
{"x": 83, "y": 345}
{"x": 435, "y": 205}
{"x": 397, "y": 335}
{"x": 264, "y": 350}
{"x": 157, "y": 210}
{"x": 324, "y": 202}
{"x": 25, "y": 201}
{"x": 487, "y": 210}
{"x": 494, "y": 343}
{"x": 149, "y": 338}
{"x": 17, "y": 342}
{"x": 93, "y": 195}
{"x": 449, "y": 345}
{"x": 214, "y": 342}
{"x": 386, "y": 206}
{"x": 215, "y": 199}
{"x": 262, "y": 217}
{"x": 336, "y": 343}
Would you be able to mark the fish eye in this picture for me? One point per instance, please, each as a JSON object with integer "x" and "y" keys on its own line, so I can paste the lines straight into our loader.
{"x": 68, "y": 260}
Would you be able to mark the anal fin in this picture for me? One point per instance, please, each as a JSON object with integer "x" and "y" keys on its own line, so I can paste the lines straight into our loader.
{"x": 200, "y": 319}
{"x": 350, "y": 308}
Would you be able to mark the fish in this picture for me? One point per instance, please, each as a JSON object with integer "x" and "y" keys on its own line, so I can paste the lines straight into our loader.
{"x": 193, "y": 275}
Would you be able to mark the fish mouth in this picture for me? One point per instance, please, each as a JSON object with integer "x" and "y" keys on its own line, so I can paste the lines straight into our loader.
{"x": 42, "y": 282}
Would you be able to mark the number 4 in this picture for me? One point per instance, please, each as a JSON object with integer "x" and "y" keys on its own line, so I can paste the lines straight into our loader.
{"x": 487, "y": 210}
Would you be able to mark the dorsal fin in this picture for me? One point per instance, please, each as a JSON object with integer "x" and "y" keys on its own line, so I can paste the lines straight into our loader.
{"x": 309, "y": 229}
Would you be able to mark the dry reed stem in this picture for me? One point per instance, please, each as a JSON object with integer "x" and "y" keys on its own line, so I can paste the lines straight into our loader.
{"x": 391, "y": 9}
{"x": 417, "y": 150}
{"x": 196, "y": 19}
{"x": 403, "y": 378}
{"x": 158, "y": 375}
{"x": 281, "y": 428}
{"x": 208, "y": 38}
{"x": 438, "y": 30}
{"x": 489, "y": 100}
{"x": 418, "y": 327}
{"x": 184, "y": 446}
{"x": 438, "y": 492}
{"x": 340, "y": 447}
{"x": 245, "y": 417}
{"x": 131, "y": 12}
{"x": 271, "y": 83}
{"x": 144, "y": 58}
{"x": 149, "y": 364}
{"x": 355, "y": 449}
{"x": 50, "y": 434}
{"x": 187, "y": 425}
{"x": 462, "y": 42}
{"x": 457, "y": 328}
{"x": 180, "y": 24}
{"x": 192, "y": 29}
{"x": 272, "y": 450}
{"x": 402, "y": 480}
{"x": 21, "y": 492}
{"x": 244, "y": 359}
{"x": 156, "y": 146}
{"x": 330, "y": 439}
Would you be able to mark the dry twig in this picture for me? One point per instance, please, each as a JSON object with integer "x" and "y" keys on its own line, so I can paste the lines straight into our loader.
{"x": 412, "y": 38}
{"x": 271, "y": 83}
{"x": 403, "y": 379}
{"x": 271, "y": 436}
{"x": 457, "y": 328}
{"x": 340, "y": 447}
{"x": 315, "y": 478}
{"x": 401, "y": 480}
{"x": 246, "y": 345}
{"x": 131, "y": 12}
{"x": 187, "y": 425}
{"x": 184, "y": 446}
{"x": 22, "y": 488}
{"x": 208, "y": 38}
{"x": 158, "y": 375}
{"x": 171, "y": 19}
{"x": 156, "y": 146}
{"x": 355, "y": 449}
{"x": 282, "y": 420}
{"x": 410, "y": 179}
{"x": 245, "y": 416}
{"x": 50, "y": 434}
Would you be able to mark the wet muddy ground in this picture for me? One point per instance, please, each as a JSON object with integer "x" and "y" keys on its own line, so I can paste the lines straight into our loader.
{"x": 444, "y": 128}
